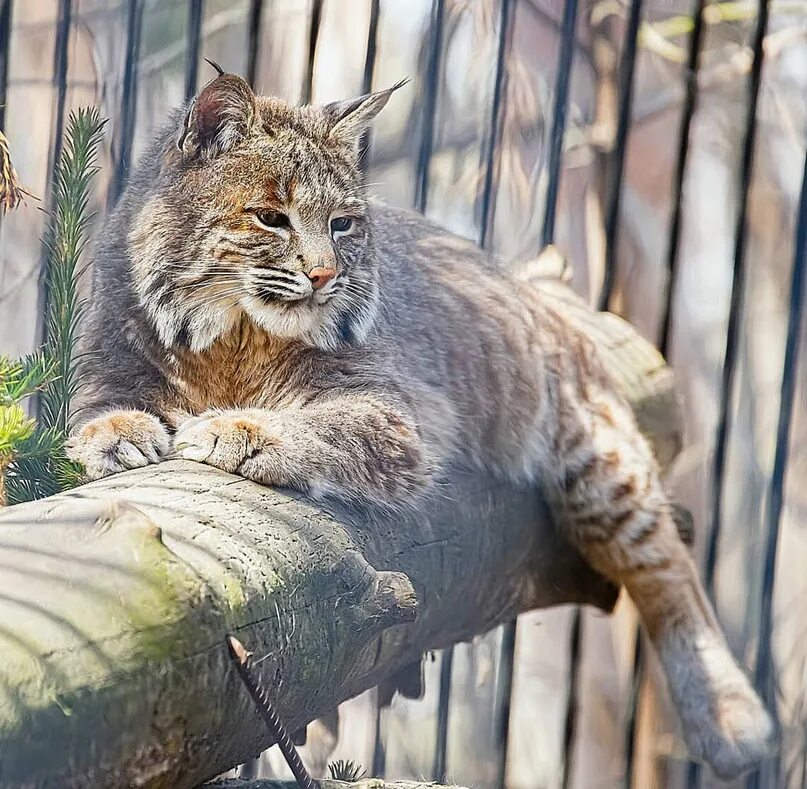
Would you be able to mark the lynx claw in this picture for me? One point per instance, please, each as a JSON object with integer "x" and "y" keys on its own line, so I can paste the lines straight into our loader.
{"x": 224, "y": 440}
{"x": 118, "y": 441}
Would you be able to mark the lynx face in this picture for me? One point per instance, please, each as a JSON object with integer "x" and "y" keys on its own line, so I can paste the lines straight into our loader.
{"x": 259, "y": 212}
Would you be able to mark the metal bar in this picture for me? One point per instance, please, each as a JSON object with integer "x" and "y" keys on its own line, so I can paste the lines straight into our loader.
{"x": 371, "y": 48}
{"x": 572, "y": 707}
{"x": 763, "y": 674}
{"x": 429, "y": 105}
{"x": 561, "y": 105}
{"x": 193, "y": 46}
{"x": 441, "y": 746}
{"x": 254, "y": 39}
{"x": 379, "y": 767}
{"x": 242, "y": 660}
{"x": 633, "y": 708}
{"x": 559, "y": 113}
{"x": 128, "y": 106}
{"x": 492, "y": 155}
{"x": 60, "y": 69}
{"x": 370, "y": 54}
{"x": 5, "y": 40}
{"x": 737, "y": 290}
{"x": 492, "y": 163}
{"x": 613, "y": 197}
{"x": 687, "y": 112}
{"x": 315, "y": 21}
{"x": 504, "y": 699}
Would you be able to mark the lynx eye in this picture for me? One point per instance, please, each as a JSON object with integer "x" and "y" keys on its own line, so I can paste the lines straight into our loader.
{"x": 272, "y": 219}
{"x": 341, "y": 224}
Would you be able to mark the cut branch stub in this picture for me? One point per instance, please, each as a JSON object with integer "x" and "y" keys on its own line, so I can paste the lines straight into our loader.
{"x": 376, "y": 600}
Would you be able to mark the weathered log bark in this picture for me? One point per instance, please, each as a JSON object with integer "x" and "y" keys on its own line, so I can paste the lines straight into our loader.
{"x": 115, "y": 599}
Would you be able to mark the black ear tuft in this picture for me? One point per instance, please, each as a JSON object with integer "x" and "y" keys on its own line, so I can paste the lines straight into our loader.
{"x": 216, "y": 66}
{"x": 349, "y": 119}
{"x": 219, "y": 117}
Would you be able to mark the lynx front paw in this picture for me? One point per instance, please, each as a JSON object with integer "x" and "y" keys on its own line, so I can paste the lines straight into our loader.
{"x": 117, "y": 441}
{"x": 229, "y": 441}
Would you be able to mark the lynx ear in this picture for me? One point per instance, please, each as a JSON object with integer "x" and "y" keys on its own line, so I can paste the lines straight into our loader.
{"x": 219, "y": 117}
{"x": 349, "y": 119}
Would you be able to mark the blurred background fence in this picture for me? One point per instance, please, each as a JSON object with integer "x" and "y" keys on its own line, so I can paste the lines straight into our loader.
{"x": 660, "y": 144}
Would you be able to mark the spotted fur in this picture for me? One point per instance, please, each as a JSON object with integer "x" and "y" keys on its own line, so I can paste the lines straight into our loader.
{"x": 413, "y": 356}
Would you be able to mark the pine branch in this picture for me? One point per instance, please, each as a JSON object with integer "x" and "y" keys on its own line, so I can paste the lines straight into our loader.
{"x": 24, "y": 377}
{"x": 37, "y": 469}
{"x": 65, "y": 242}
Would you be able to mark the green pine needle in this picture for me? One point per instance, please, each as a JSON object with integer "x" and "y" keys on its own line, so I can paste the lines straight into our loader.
{"x": 346, "y": 770}
{"x": 21, "y": 378}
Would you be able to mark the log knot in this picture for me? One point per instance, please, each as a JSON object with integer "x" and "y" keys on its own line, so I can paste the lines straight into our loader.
{"x": 378, "y": 599}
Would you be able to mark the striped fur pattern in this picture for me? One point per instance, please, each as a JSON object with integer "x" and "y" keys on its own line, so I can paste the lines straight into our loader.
{"x": 414, "y": 355}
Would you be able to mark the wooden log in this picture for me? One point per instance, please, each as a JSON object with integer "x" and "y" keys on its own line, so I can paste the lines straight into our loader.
{"x": 115, "y": 599}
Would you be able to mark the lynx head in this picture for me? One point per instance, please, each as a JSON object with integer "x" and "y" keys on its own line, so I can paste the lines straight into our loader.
{"x": 258, "y": 210}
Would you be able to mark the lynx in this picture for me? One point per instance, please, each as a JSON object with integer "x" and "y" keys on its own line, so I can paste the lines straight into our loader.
{"x": 252, "y": 309}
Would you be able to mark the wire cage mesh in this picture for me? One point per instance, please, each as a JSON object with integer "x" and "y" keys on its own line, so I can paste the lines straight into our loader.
{"x": 660, "y": 145}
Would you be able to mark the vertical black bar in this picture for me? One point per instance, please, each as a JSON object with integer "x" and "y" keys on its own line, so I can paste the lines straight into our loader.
{"x": 633, "y": 708}
{"x": 561, "y": 105}
{"x": 492, "y": 156}
{"x": 613, "y": 197}
{"x": 737, "y": 289}
{"x": 313, "y": 38}
{"x": 563, "y": 74}
{"x": 370, "y": 53}
{"x": 379, "y": 752}
{"x": 5, "y": 40}
{"x": 503, "y": 702}
{"x": 128, "y": 107}
{"x": 687, "y": 112}
{"x": 379, "y": 744}
{"x": 253, "y": 39}
{"x": 370, "y": 50}
{"x": 60, "y": 67}
{"x": 441, "y": 746}
{"x": 763, "y": 674}
{"x": 193, "y": 46}
{"x": 491, "y": 164}
{"x": 570, "y": 723}
{"x": 429, "y": 105}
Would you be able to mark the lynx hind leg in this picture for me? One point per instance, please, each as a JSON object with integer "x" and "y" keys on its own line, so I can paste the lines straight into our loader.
{"x": 616, "y": 512}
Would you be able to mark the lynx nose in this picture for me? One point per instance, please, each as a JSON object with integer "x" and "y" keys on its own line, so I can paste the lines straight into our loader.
{"x": 321, "y": 276}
